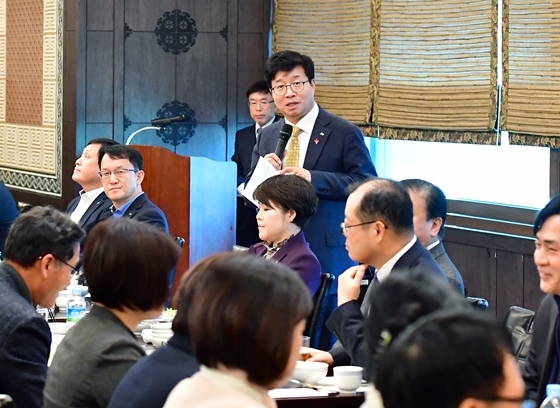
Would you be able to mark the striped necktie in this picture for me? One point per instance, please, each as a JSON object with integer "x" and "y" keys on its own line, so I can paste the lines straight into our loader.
{"x": 292, "y": 159}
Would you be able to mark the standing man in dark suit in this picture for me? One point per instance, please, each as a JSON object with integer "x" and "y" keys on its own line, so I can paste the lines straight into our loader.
{"x": 542, "y": 366}
{"x": 429, "y": 206}
{"x": 122, "y": 176}
{"x": 379, "y": 232}
{"x": 92, "y": 205}
{"x": 261, "y": 109}
{"x": 325, "y": 150}
{"x": 42, "y": 250}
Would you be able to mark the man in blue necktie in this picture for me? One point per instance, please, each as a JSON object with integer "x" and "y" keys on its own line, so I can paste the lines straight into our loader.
{"x": 379, "y": 232}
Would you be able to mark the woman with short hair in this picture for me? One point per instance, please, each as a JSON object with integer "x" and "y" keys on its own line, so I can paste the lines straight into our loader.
{"x": 244, "y": 348}
{"x": 286, "y": 203}
{"x": 127, "y": 266}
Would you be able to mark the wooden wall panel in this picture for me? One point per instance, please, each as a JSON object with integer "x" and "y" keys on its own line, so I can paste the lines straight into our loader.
{"x": 509, "y": 290}
{"x": 99, "y": 77}
{"x": 478, "y": 268}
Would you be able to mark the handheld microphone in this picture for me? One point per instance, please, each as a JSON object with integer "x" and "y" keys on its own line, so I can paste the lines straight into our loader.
{"x": 166, "y": 121}
{"x": 285, "y": 134}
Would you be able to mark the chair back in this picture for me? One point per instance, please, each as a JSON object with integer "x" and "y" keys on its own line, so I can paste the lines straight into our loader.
{"x": 519, "y": 322}
{"x": 320, "y": 302}
{"x": 180, "y": 241}
{"x": 478, "y": 303}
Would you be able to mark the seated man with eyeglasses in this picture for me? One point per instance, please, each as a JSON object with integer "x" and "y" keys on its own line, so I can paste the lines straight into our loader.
{"x": 42, "y": 250}
{"x": 379, "y": 232}
{"x": 122, "y": 175}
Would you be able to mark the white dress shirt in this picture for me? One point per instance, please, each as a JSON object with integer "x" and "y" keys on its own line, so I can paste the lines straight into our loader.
{"x": 388, "y": 266}
{"x": 85, "y": 201}
{"x": 306, "y": 125}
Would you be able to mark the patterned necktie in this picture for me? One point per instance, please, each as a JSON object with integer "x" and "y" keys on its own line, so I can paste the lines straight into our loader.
{"x": 292, "y": 159}
{"x": 259, "y": 131}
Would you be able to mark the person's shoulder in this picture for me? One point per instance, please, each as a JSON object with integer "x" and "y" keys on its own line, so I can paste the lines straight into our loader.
{"x": 246, "y": 131}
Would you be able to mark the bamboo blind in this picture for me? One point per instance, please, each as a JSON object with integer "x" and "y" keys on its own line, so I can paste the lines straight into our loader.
{"x": 336, "y": 34}
{"x": 532, "y": 69}
{"x": 437, "y": 65}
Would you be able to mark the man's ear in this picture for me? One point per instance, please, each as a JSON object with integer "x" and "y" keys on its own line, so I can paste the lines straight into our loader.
{"x": 437, "y": 222}
{"x": 472, "y": 403}
{"x": 46, "y": 263}
{"x": 139, "y": 176}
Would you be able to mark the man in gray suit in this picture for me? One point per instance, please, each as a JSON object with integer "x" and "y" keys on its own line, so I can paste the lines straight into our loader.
{"x": 430, "y": 209}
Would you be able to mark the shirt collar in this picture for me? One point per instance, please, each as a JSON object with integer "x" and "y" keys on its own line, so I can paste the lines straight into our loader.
{"x": 124, "y": 207}
{"x": 257, "y": 126}
{"x": 388, "y": 266}
{"x": 92, "y": 193}
{"x": 308, "y": 121}
{"x": 433, "y": 245}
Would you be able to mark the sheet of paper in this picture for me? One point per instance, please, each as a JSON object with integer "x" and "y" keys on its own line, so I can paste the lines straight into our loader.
{"x": 263, "y": 171}
{"x": 295, "y": 393}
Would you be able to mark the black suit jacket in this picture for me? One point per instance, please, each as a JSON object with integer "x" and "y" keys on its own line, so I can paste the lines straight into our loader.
{"x": 98, "y": 210}
{"x": 244, "y": 142}
{"x": 143, "y": 210}
{"x": 347, "y": 321}
{"x": 8, "y": 213}
{"x": 542, "y": 352}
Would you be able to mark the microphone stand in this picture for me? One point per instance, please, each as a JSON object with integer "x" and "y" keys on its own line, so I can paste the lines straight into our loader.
{"x": 141, "y": 130}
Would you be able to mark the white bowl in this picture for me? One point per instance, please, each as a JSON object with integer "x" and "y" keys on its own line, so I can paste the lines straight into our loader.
{"x": 62, "y": 299}
{"x": 161, "y": 327}
{"x": 58, "y": 328}
{"x": 310, "y": 372}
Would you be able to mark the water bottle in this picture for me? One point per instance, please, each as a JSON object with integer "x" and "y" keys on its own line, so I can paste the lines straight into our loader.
{"x": 552, "y": 399}
{"x": 76, "y": 307}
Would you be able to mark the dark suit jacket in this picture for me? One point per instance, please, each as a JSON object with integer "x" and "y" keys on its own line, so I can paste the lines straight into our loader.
{"x": 8, "y": 213}
{"x": 149, "y": 382}
{"x": 25, "y": 342}
{"x": 338, "y": 159}
{"x": 538, "y": 366}
{"x": 446, "y": 265}
{"x": 297, "y": 255}
{"x": 347, "y": 321}
{"x": 96, "y": 212}
{"x": 143, "y": 210}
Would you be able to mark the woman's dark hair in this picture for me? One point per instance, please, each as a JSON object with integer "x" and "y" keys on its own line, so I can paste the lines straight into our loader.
{"x": 444, "y": 358}
{"x": 242, "y": 311}
{"x": 402, "y": 298}
{"x": 289, "y": 192}
{"x": 127, "y": 264}
{"x": 286, "y": 61}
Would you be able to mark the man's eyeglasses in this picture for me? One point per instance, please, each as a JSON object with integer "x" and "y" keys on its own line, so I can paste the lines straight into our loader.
{"x": 344, "y": 227}
{"x": 118, "y": 173}
{"x": 264, "y": 104}
{"x": 282, "y": 89}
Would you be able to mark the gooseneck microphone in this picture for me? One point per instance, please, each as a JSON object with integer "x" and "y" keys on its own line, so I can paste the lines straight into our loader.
{"x": 166, "y": 121}
{"x": 285, "y": 134}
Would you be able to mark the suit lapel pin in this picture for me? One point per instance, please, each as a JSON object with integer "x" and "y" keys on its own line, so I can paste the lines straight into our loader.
{"x": 316, "y": 141}
{"x": 321, "y": 134}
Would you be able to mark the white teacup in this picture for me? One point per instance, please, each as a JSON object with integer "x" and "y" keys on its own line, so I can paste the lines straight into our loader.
{"x": 348, "y": 378}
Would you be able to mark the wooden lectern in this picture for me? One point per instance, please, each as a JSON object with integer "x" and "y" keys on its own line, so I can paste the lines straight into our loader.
{"x": 198, "y": 196}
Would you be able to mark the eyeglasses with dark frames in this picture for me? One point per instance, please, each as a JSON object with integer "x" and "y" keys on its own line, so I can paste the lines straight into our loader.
{"x": 344, "y": 227}
{"x": 118, "y": 173}
{"x": 296, "y": 86}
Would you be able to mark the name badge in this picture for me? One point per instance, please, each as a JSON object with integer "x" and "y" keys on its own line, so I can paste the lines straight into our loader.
{"x": 364, "y": 282}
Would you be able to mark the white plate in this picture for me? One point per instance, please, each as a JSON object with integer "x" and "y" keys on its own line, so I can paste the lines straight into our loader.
{"x": 326, "y": 381}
